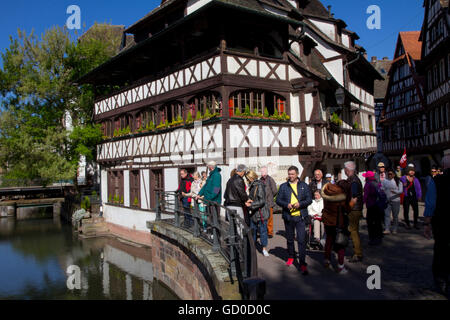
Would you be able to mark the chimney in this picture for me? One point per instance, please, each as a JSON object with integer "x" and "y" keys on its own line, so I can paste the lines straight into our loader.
{"x": 329, "y": 11}
{"x": 374, "y": 59}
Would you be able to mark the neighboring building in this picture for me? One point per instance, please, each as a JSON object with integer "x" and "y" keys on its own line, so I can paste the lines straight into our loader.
{"x": 382, "y": 66}
{"x": 403, "y": 115}
{"x": 435, "y": 68}
{"x": 289, "y": 64}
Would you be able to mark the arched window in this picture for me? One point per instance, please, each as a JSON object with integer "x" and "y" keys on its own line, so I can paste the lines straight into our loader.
{"x": 171, "y": 111}
{"x": 257, "y": 102}
{"x": 208, "y": 100}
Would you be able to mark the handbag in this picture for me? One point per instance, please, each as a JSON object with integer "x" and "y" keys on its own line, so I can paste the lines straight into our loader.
{"x": 307, "y": 218}
{"x": 341, "y": 237}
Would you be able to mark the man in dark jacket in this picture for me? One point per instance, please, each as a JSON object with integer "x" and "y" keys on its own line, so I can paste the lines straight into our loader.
{"x": 437, "y": 220}
{"x": 294, "y": 197}
{"x": 183, "y": 189}
{"x": 271, "y": 191}
{"x": 235, "y": 196}
{"x": 356, "y": 189}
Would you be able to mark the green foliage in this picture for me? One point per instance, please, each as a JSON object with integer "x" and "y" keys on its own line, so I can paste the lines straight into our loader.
{"x": 189, "y": 118}
{"x": 355, "y": 125}
{"x": 37, "y": 93}
{"x": 371, "y": 128}
{"x": 116, "y": 198}
{"x": 110, "y": 199}
{"x": 121, "y": 200}
{"x": 163, "y": 125}
{"x": 198, "y": 116}
{"x": 266, "y": 113}
{"x": 285, "y": 117}
{"x": 150, "y": 126}
{"x": 86, "y": 203}
{"x": 335, "y": 119}
{"x": 247, "y": 111}
{"x": 136, "y": 202}
{"x": 207, "y": 114}
{"x": 238, "y": 112}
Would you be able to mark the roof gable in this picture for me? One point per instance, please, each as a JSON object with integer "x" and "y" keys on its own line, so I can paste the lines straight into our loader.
{"x": 411, "y": 44}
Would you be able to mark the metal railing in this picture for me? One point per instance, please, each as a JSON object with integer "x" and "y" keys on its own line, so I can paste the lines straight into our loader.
{"x": 223, "y": 229}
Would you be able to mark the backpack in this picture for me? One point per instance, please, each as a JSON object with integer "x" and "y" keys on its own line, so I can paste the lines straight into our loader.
{"x": 382, "y": 200}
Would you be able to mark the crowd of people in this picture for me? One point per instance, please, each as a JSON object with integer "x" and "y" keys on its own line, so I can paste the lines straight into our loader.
{"x": 332, "y": 209}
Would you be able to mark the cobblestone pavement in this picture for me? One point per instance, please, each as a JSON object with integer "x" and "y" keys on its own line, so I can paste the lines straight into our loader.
{"x": 404, "y": 260}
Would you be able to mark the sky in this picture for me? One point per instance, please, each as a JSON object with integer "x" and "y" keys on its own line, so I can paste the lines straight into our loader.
{"x": 396, "y": 16}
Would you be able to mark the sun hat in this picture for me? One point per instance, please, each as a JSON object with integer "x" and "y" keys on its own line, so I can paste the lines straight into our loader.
{"x": 381, "y": 164}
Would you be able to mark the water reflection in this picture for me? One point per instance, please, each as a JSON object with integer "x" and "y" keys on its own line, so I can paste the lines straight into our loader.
{"x": 35, "y": 255}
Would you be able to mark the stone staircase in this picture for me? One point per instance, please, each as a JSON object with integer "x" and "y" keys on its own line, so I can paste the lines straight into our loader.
{"x": 93, "y": 227}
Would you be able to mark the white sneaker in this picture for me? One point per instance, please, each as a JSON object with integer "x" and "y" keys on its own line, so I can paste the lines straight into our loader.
{"x": 265, "y": 253}
{"x": 342, "y": 270}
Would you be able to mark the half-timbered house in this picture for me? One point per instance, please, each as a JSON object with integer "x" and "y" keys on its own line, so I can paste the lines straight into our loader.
{"x": 402, "y": 118}
{"x": 261, "y": 82}
{"x": 435, "y": 68}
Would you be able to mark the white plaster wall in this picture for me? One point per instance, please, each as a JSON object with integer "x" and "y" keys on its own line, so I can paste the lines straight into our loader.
{"x": 128, "y": 218}
{"x": 336, "y": 68}
{"x": 346, "y": 40}
{"x": 295, "y": 108}
{"x": 323, "y": 47}
{"x": 104, "y": 186}
{"x": 311, "y": 137}
{"x": 309, "y": 104}
{"x": 326, "y": 28}
{"x": 194, "y": 5}
{"x": 126, "y": 188}
{"x": 171, "y": 179}
{"x": 145, "y": 189}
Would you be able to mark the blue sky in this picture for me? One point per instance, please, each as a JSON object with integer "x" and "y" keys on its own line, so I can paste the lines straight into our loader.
{"x": 398, "y": 15}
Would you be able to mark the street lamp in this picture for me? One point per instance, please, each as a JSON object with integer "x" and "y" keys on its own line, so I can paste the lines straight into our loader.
{"x": 340, "y": 96}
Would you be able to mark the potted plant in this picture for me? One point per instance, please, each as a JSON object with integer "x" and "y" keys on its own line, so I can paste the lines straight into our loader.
{"x": 371, "y": 128}
{"x": 110, "y": 199}
{"x": 356, "y": 126}
{"x": 121, "y": 200}
{"x": 198, "y": 116}
{"x": 136, "y": 202}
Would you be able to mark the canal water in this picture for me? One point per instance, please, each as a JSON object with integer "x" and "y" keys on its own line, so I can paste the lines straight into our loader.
{"x": 35, "y": 256}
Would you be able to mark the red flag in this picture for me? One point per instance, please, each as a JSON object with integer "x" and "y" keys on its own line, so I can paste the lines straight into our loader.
{"x": 403, "y": 160}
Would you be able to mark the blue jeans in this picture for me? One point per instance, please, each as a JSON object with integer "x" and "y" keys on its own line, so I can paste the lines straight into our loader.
{"x": 393, "y": 206}
{"x": 262, "y": 227}
{"x": 292, "y": 225}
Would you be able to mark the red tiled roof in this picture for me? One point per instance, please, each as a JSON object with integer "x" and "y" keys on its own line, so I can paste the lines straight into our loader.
{"x": 411, "y": 43}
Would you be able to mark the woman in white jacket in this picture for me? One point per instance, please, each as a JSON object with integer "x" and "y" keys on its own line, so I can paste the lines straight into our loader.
{"x": 315, "y": 211}
{"x": 393, "y": 188}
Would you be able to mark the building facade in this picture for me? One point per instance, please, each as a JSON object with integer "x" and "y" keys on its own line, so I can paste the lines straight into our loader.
{"x": 435, "y": 67}
{"x": 281, "y": 83}
{"x": 403, "y": 115}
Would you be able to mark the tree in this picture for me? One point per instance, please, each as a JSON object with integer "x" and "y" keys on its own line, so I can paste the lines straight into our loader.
{"x": 37, "y": 95}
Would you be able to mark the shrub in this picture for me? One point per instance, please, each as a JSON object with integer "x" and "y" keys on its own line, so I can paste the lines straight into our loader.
{"x": 238, "y": 112}
{"x": 247, "y": 111}
{"x": 121, "y": 200}
{"x": 110, "y": 199}
{"x": 335, "y": 119}
{"x": 189, "y": 118}
{"x": 198, "y": 116}
{"x": 207, "y": 114}
{"x": 136, "y": 201}
{"x": 266, "y": 113}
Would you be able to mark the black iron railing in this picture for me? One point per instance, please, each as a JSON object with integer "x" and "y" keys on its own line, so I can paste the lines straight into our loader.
{"x": 223, "y": 229}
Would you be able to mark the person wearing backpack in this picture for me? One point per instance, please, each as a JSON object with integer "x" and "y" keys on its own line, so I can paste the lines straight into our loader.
{"x": 376, "y": 202}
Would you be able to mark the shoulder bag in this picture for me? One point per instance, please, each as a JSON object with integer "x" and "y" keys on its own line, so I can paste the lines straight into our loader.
{"x": 307, "y": 218}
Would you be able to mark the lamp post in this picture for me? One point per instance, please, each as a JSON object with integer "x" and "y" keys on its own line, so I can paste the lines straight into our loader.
{"x": 340, "y": 96}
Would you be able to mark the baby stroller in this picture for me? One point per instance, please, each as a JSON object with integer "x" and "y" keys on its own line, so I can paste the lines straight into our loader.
{"x": 311, "y": 243}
